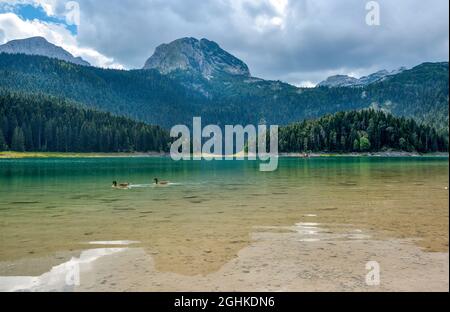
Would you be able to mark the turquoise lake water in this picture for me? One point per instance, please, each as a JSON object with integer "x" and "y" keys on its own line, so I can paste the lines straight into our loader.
{"x": 51, "y": 208}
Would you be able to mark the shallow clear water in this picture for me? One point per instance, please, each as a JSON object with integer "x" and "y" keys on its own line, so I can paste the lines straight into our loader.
{"x": 50, "y": 208}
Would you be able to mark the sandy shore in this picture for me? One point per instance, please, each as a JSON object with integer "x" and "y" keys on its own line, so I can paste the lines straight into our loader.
{"x": 288, "y": 260}
{"x": 283, "y": 262}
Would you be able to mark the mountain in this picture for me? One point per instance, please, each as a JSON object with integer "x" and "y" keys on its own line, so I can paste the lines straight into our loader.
{"x": 40, "y": 46}
{"x": 174, "y": 98}
{"x": 378, "y": 76}
{"x": 141, "y": 95}
{"x": 202, "y": 57}
{"x": 347, "y": 81}
{"x": 338, "y": 81}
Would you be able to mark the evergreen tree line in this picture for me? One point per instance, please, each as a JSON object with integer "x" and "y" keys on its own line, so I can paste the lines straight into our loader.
{"x": 361, "y": 131}
{"x": 30, "y": 122}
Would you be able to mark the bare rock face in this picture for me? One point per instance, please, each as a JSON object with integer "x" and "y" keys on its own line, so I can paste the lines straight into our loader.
{"x": 347, "y": 81}
{"x": 199, "y": 56}
{"x": 338, "y": 81}
{"x": 40, "y": 46}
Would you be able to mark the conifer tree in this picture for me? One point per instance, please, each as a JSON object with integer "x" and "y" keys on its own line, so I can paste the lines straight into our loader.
{"x": 3, "y": 146}
{"x": 18, "y": 140}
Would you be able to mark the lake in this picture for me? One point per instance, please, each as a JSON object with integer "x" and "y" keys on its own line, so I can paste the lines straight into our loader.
{"x": 52, "y": 209}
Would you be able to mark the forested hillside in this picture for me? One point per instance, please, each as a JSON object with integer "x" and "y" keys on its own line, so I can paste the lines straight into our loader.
{"x": 361, "y": 131}
{"x": 166, "y": 100}
{"x": 41, "y": 123}
{"x": 420, "y": 93}
{"x": 141, "y": 95}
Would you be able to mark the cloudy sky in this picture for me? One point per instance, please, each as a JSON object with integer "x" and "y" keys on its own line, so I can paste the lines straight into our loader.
{"x": 298, "y": 41}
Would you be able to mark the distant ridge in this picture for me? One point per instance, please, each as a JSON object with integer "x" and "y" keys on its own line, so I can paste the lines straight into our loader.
{"x": 40, "y": 46}
{"x": 348, "y": 81}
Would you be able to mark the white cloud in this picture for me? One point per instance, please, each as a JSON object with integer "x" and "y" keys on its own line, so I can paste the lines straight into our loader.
{"x": 47, "y": 5}
{"x": 306, "y": 84}
{"x": 13, "y": 27}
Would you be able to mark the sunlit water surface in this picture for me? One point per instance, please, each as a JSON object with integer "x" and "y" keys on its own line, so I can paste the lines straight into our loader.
{"x": 53, "y": 208}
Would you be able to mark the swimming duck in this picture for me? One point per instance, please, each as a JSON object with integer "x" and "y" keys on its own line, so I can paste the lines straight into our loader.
{"x": 157, "y": 182}
{"x": 120, "y": 185}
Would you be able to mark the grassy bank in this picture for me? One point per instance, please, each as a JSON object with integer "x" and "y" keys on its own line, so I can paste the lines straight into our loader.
{"x": 372, "y": 154}
{"x": 19, "y": 155}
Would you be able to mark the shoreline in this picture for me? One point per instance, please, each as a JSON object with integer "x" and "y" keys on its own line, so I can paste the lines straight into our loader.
{"x": 284, "y": 261}
{"x": 31, "y": 155}
{"x": 369, "y": 154}
{"x": 40, "y": 155}
{"x": 288, "y": 260}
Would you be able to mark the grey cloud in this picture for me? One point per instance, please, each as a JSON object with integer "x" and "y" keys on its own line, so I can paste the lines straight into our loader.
{"x": 318, "y": 37}
{"x": 260, "y": 8}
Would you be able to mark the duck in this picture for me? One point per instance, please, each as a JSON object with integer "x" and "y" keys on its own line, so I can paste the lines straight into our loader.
{"x": 120, "y": 185}
{"x": 157, "y": 182}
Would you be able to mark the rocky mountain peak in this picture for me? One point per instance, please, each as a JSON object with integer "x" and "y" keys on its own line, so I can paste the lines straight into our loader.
{"x": 203, "y": 56}
{"x": 347, "y": 81}
{"x": 338, "y": 81}
{"x": 40, "y": 46}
